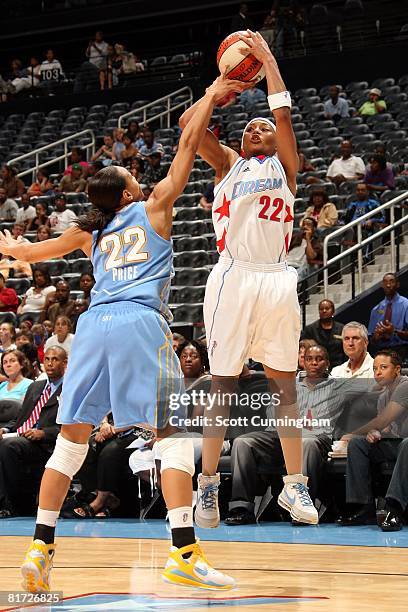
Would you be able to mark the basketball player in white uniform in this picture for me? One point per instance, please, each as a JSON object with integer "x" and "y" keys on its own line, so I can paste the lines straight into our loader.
{"x": 251, "y": 307}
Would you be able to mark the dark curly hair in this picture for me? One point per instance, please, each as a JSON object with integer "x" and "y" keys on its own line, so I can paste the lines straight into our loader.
{"x": 200, "y": 348}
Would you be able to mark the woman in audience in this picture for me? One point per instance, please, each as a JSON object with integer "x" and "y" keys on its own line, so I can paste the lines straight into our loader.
{"x": 118, "y": 145}
{"x": 86, "y": 282}
{"x": 130, "y": 150}
{"x": 11, "y": 183}
{"x": 7, "y": 337}
{"x": 380, "y": 176}
{"x": 43, "y": 233}
{"x": 321, "y": 210}
{"x": 303, "y": 346}
{"x": 41, "y": 218}
{"x": 136, "y": 168}
{"x": 62, "y": 335}
{"x": 14, "y": 367}
{"x": 42, "y": 186}
{"x": 35, "y": 298}
{"x": 135, "y": 132}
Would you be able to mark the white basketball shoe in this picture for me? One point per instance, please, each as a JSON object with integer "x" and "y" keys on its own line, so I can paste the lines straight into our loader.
{"x": 207, "y": 513}
{"x": 295, "y": 498}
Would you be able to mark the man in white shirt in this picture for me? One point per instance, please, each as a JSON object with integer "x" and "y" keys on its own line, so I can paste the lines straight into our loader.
{"x": 26, "y": 212}
{"x": 8, "y": 207}
{"x": 335, "y": 107}
{"x": 97, "y": 51}
{"x": 346, "y": 168}
{"x": 62, "y": 218}
{"x": 355, "y": 343}
{"x": 50, "y": 70}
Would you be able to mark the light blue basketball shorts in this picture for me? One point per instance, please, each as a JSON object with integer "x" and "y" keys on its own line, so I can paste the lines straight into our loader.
{"x": 122, "y": 361}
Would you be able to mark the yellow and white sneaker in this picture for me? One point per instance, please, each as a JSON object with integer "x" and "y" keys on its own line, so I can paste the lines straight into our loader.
{"x": 195, "y": 571}
{"x": 37, "y": 567}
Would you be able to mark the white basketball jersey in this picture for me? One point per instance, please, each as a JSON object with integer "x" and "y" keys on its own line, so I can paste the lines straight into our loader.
{"x": 253, "y": 211}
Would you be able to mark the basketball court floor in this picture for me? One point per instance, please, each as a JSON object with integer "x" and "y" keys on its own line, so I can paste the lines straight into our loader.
{"x": 116, "y": 565}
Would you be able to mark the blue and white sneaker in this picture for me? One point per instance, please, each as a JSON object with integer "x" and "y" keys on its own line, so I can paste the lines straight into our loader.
{"x": 295, "y": 498}
{"x": 207, "y": 514}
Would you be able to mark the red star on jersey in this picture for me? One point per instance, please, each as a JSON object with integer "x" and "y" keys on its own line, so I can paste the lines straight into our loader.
{"x": 289, "y": 217}
{"x": 221, "y": 241}
{"x": 223, "y": 210}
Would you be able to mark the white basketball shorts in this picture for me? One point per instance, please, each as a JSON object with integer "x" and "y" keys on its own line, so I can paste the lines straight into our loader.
{"x": 251, "y": 310}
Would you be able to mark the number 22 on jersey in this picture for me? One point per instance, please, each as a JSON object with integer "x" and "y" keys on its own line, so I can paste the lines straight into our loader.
{"x": 276, "y": 215}
{"x": 114, "y": 244}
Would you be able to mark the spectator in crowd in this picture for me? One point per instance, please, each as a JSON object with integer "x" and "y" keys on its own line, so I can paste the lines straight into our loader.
{"x": 374, "y": 105}
{"x": 268, "y": 29}
{"x": 296, "y": 256}
{"x": 105, "y": 152}
{"x": 17, "y": 231}
{"x": 313, "y": 249}
{"x": 361, "y": 206}
{"x": 7, "y": 337}
{"x": 250, "y": 97}
{"x": 129, "y": 63}
{"x": 241, "y": 21}
{"x": 207, "y": 199}
{"x": 118, "y": 145}
{"x": 39, "y": 338}
{"x": 303, "y": 346}
{"x": 42, "y": 186}
{"x": 129, "y": 150}
{"x": 26, "y": 78}
{"x": 26, "y": 213}
{"x": 154, "y": 171}
{"x": 8, "y": 297}
{"x": 14, "y": 367}
{"x": 62, "y": 218}
{"x": 327, "y": 332}
{"x": 73, "y": 182}
{"x": 63, "y": 304}
{"x": 380, "y": 149}
{"x": 77, "y": 157}
{"x": 260, "y": 450}
{"x": 37, "y": 436}
{"x": 108, "y": 73}
{"x": 377, "y": 441}
{"x": 346, "y": 168}
{"x": 335, "y": 107}
{"x": 80, "y": 306}
{"x": 379, "y": 177}
{"x": 35, "y": 297}
{"x": 304, "y": 163}
{"x": 51, "y": 72}
{"x": 388, "y": 326}
{"x": 97, "y": 50}
{"x": 355, "y": 346}
{"x": 49, "y": 328}
{"x": 150, "y": 144}
{"x": 8, "y": 206}
{"x": 62, "y": 335}
{"x": 133, "y": 128}
{"x": 41, "y": 217}
{"x": 235, "y": 145}
{"x": 43, "y": 233}
{"x": 10, "y": 182}
{"x": 321, "y": 210}
{"x": 178, "y": 339}
{"x": 24, "y": 337}
{"x": 86, "y": 282}
{"x": 136, "y": 168}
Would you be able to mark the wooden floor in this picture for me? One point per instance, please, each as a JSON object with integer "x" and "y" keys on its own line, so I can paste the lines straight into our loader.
{"x": 347, "y": 578}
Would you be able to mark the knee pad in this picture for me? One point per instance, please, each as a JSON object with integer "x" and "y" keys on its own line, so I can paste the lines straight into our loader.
{"x": 67, "y": 457}
{"x": 177, "y": 452}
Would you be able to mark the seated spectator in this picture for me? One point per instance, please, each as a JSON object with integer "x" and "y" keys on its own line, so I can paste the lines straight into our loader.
{"x": 374, "y": 105}
{"x": 8, "y": 297}
{"x": 129, "y": 150}
{"x": 355, "y": 345}
{"x": 80, "y": 306}
{"x": 178, "y": 339}
{"x": 86, "y": 282}
{"x": 35, "y": 297}
{"x": 313, "y": 249}
{"x": 7, "y": 337}
{"x": 62, "y": 335}
{"x": 42, "y": 186}
{"x": 336, "y": 108}
{"x": 118, "y": 145}
{"x": 154, "y": 172}
{"x": 63, "y": 304}
{"x": 13, "y": 185}
{"x": 207, "y": 199}
{"x": 41, "y": 217}
{"x": 250, "y": 97}
{"x": 26, "y": 213}
{"x": 304, "y": 164}
{"x": 388, "y": 326}
{"x": 150, "y": 144}
{"x": 378, "y": 441}
{"x": 25, "y": 78}
{"x": 8, "y": 207}
{"x": 24, "y": 337}
{"x": 379, "y": 177}
{"x": 136, "y": 168}
{"x": 133, "y": 128}
{"x": 128, "y": 62}
{"x": 14, "y": 367}
{"x": 39, "y": 338}
{"x": 17, "y": 231}
{"x": 321, "y": 210}
{"x": 348, "y": 167}
{"x": 105, "y": 152}
{"x": 108, "y": 73}
{"x": 77, "y": 157}
{"x": 327, "y": 332}
{"x": 296, "y": 256}
{"x": 43, "y": 233}
{"x": 140, "y": 67}
{"x": 62, "y": 218}
{"x": 37, "y": 431}
{"x": 50, "y": 72}
{"x": 362, "y": 205}
{"x": 73, "y": 182}
{"x": 303, "y": 346}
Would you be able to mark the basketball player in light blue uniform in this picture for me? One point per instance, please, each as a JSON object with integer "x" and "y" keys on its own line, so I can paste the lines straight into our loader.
{"x": 122, "y": 359}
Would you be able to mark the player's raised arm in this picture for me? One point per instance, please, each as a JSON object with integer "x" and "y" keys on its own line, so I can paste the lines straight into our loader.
{"x": 159, "y": 206}
{"x": 279, "y": 101}
{"x": 73, "y": 238}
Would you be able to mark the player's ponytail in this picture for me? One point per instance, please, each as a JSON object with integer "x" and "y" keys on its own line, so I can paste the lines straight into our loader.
{"x": 105, "y": 191}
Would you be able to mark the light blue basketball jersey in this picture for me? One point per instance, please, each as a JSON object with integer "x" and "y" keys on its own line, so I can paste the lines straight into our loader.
{"x": 132, "y": 263}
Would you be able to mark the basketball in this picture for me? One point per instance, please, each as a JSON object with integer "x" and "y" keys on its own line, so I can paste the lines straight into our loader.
{"x": 235, "y": 64}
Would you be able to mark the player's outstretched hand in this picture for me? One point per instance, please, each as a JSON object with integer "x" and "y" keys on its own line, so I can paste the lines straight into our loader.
{"x": 257, "y": 44}
{"x": 222, "y": 86}
{"x": 8, "y": 243}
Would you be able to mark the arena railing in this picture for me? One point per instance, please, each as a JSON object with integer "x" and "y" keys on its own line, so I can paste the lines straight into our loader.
{"x": 35, "y": 153}
{"x": 164, "y": 115}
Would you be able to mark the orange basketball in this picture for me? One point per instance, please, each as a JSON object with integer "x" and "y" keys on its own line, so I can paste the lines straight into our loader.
{"x": 236, "y": 65}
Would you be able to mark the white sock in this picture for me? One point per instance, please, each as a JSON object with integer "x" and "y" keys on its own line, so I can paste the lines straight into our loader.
{"x": 181, "y": 517}
{"x": 47, "y": 517}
